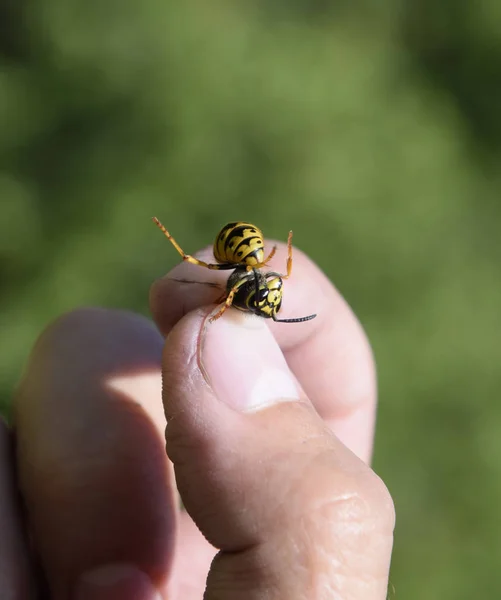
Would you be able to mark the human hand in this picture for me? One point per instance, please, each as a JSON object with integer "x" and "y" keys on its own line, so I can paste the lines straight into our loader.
{"x": 269, "y": 444}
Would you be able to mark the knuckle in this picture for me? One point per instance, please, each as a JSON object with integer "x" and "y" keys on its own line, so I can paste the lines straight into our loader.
{"x": 382, "y": 500}
{"x": 348, "y": 496}
{"x": 366, "y": 500}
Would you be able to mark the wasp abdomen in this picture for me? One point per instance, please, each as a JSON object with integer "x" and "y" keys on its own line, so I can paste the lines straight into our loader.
{"x": 239, "y": 243}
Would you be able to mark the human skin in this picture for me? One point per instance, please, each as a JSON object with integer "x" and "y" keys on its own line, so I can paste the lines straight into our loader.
{"x": 269, "y": 436}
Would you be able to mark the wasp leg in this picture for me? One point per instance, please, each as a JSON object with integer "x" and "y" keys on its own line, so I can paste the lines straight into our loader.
{"x": 265, "y": 262}
{"x": 229, "y": 300}
{"x": 188, "y": 257}
{"x": 289, "y": 256}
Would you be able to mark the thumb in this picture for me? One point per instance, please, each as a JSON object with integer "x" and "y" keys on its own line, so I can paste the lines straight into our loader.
{"x": 293, "y": 512}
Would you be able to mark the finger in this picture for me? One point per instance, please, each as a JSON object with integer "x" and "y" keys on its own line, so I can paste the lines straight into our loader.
{"x": 192, "y": 559}
{"x": 293, "y": 511}
{"x": 15, "y": 574}
{"x": 329, "y": 355}
{"x": 91, "y": 457}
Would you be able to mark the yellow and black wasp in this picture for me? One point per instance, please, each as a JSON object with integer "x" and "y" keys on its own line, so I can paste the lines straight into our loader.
{"x": 240, "y": 246}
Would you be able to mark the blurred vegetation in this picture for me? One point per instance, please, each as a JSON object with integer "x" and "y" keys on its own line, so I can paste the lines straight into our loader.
{"x": 371, "y": 129}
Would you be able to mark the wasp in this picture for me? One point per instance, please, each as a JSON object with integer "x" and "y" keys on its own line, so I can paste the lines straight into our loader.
{"x": 240, "y": 246}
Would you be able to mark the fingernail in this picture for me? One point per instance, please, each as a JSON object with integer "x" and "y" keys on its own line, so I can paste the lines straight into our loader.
{"x": 244, "y": 364}
{"x": 116, "y": 582}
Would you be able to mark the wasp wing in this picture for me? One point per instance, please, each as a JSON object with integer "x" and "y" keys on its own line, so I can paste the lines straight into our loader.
{"x": 207, "y": 283}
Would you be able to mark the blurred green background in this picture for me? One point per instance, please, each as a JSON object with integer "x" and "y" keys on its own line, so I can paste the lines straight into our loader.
{"x": 373, "y": 130}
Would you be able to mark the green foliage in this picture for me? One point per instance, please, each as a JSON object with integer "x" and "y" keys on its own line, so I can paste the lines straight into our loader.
{"x": 372, "y": 131}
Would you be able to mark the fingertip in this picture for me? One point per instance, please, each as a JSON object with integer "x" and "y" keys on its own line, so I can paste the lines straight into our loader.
{"x": 235, "y": 360}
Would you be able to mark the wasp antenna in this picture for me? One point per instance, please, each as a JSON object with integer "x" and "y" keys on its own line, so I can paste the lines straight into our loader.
{"x": 298, "y": 320}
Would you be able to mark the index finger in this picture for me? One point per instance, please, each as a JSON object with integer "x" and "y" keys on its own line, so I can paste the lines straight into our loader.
{"x": 330, "y": 355}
